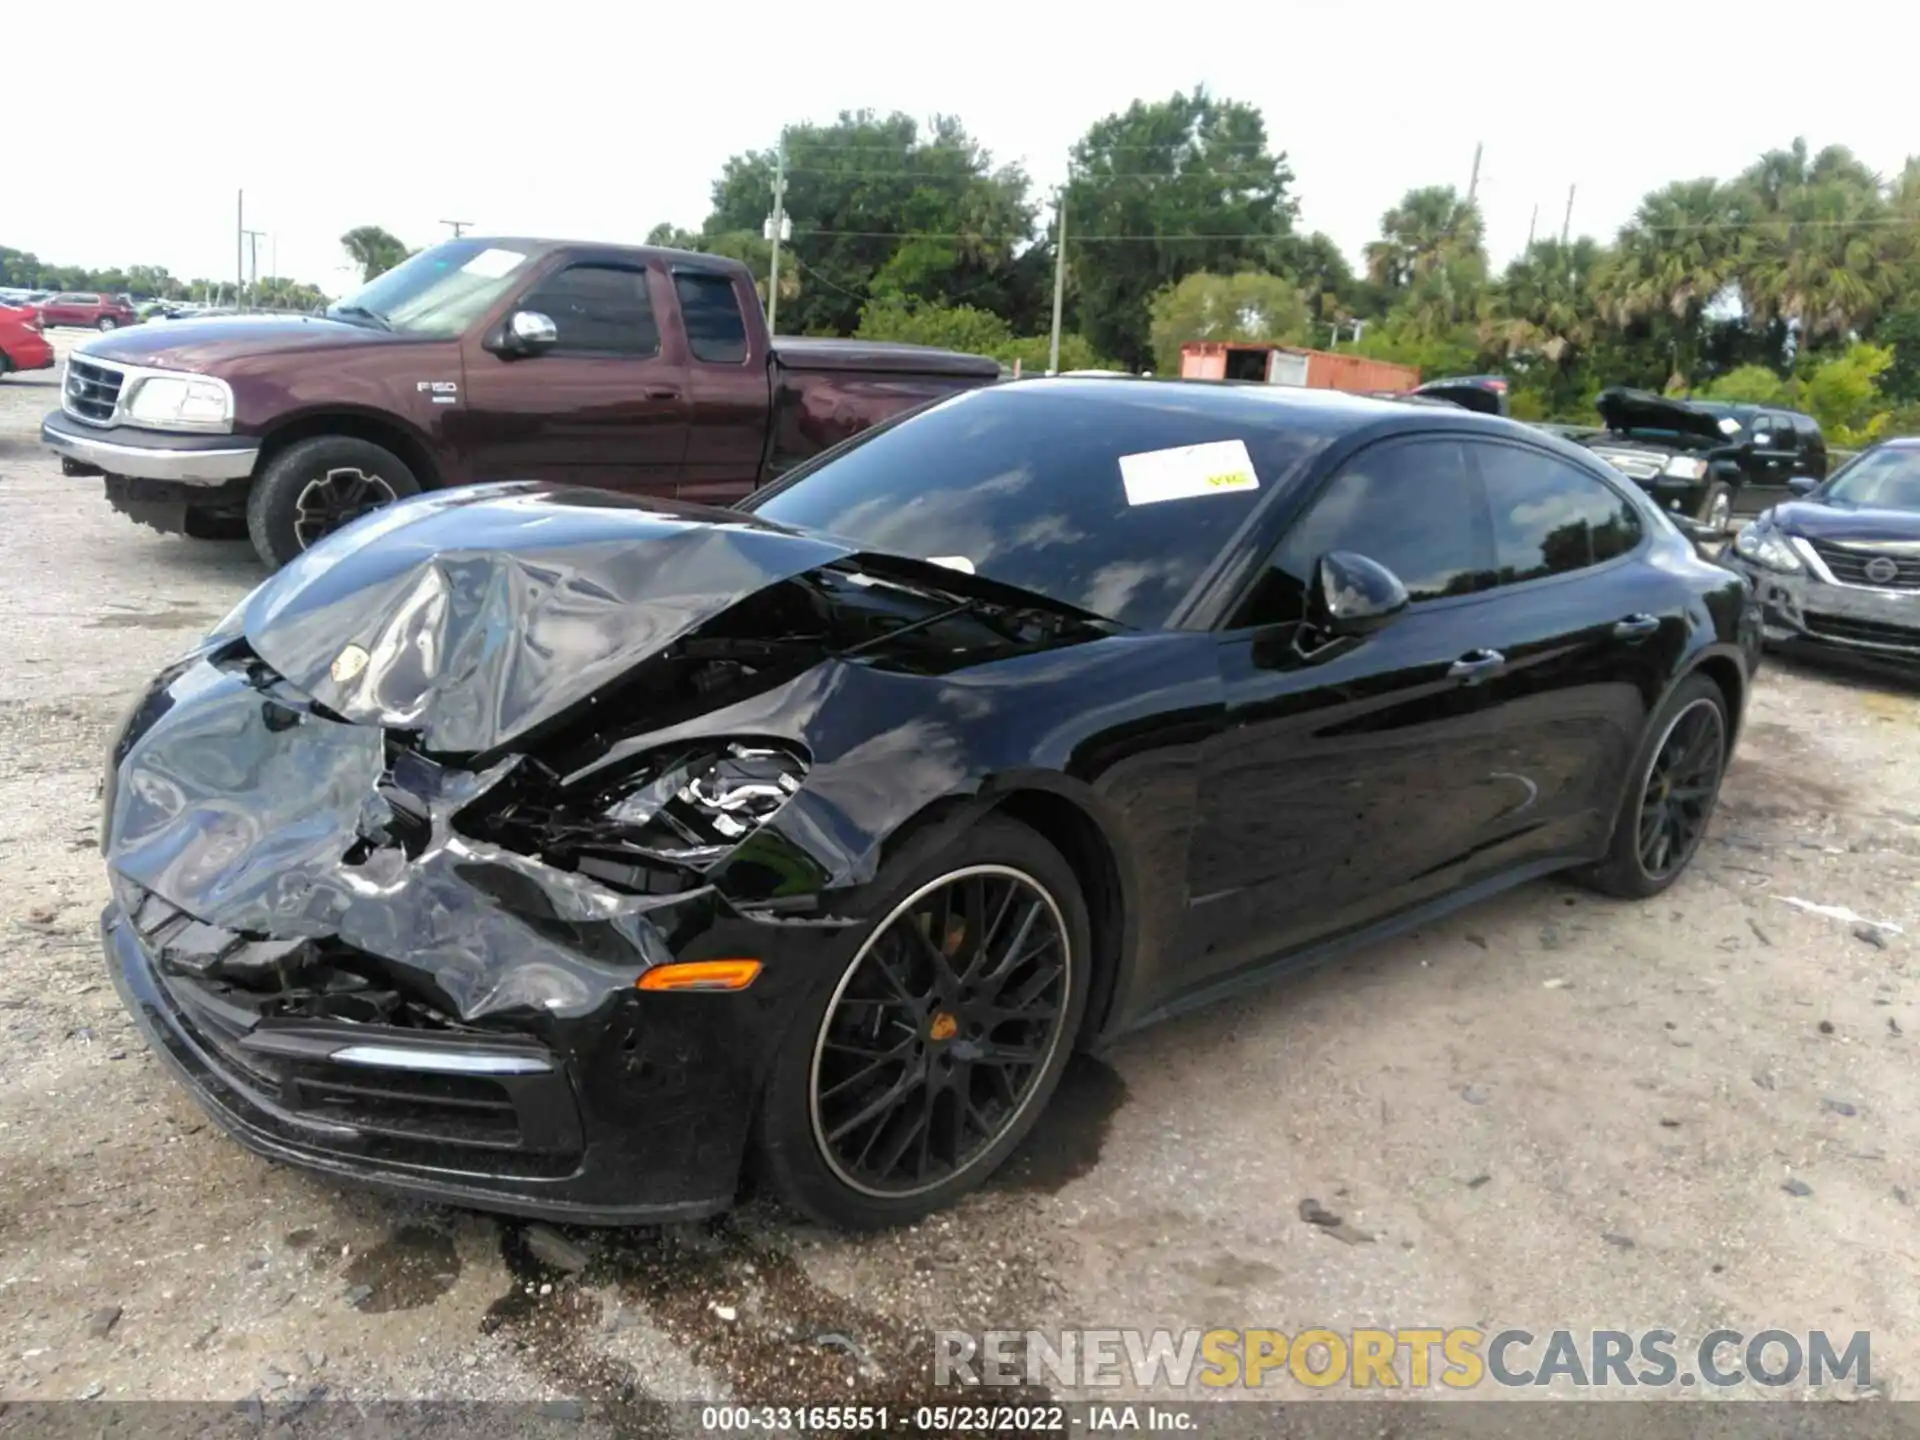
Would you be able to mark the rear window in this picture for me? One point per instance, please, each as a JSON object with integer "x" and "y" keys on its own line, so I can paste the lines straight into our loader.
{"x": 1024, "y": 483}
{"x": 716, "y": 330}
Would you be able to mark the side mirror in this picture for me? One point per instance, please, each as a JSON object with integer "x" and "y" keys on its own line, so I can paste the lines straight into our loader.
{"x": 525, "y": 333}
{"x": 1803, "y": 484}
{"x": 1351, "y": 595}
{"x": 1761, "y": 439}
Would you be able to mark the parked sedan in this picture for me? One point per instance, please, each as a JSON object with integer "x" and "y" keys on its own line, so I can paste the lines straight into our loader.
{"x": 565, "y": 852}
{"x": 1839, "y": 567}
{"x": 89, "y": 311}
{"x": 22, "y": 346}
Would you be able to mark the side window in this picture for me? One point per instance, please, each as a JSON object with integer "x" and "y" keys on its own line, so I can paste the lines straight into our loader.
{"x": 1411, "y": 505}
{"x": 598, "y": 310}
{"x": 1778, "y": 429}
{"x": 716, "y": 330}
{"x": 1548, "y": 517}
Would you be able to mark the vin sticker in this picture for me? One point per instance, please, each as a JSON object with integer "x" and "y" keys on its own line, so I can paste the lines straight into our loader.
{"x": 1217, "y": 467}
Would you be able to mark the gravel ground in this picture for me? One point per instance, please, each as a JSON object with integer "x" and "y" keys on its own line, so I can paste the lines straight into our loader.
{"x": 1549, "y": 1110}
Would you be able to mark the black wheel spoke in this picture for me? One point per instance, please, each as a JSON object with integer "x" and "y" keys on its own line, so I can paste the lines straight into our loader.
{"x": 940, "y": 1031}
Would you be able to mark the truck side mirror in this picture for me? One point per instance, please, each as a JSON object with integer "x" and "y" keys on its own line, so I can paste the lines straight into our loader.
{"x": 525, "y": 333}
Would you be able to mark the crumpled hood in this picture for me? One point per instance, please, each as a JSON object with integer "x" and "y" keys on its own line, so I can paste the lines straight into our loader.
{"x": 472, "y": 616}
{"x": 1848, "y": 524}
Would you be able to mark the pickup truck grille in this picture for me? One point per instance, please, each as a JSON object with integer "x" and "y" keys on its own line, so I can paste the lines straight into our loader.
{"x": 92, "y": 391}
{"x": 1850, "y": 567}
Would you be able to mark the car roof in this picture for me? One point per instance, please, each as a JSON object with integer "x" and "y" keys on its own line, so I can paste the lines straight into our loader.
{"x": 1255, "y": 402}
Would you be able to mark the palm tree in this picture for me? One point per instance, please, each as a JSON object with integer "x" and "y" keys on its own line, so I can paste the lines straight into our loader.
{"x": 1430, "y": 229}
{"x": 1814, "y": 249}
{"x": 374, "y": 250}
{"x": 1671, "y": 261}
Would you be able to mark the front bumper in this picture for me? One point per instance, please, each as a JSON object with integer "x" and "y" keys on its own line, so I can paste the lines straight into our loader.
{"x": 640, "y": 1116}
{"x": 1809, "y": 607}
{"x": 198, "y": 460}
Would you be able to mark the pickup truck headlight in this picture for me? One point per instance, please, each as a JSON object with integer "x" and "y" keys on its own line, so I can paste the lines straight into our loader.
{"x": 1685, "y": 467}
{"x": 189, "y": 402}
{"x": 1767, "y": 548}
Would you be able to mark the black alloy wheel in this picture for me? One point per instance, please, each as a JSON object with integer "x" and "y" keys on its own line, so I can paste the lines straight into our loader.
{"x": 1682, "y": 782}
{"x": 336, "y": 498}
{"x": 1669, "y": 794}
{"x": 935, "y": 1039}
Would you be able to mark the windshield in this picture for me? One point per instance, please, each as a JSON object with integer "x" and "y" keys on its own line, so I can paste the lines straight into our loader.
{"x": 1112, "y": 496}
{"x": 439, "y": 292}
{"x": 1879, "y": 480}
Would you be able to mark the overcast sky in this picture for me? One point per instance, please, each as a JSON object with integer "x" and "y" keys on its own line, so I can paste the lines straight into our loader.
{"x": 599, "y": 120}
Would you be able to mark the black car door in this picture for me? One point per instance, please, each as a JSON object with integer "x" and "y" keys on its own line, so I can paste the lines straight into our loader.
{"x": 1344, "y": 773}
{"x": 1483, "y": 732}
{"x": 1588, "y": 632}
{"x": 1773, "y": 455}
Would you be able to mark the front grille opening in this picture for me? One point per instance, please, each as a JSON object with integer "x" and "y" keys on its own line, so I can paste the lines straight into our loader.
{"x": 459, "y": 1109}
{"x": 1870, "y": 632}
{"x": 93, "y": 391}
{"x": 1850, "y": 567}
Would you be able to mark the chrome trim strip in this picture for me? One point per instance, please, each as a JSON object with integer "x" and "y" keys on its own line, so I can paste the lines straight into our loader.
{"x": 443, "y": 1062}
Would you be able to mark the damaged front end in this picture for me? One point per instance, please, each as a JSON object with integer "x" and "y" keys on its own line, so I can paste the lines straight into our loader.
{"x": 409, "y": 858}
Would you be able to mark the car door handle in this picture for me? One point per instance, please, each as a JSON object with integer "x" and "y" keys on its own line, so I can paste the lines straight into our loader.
{"x": 1636, "y": 627}
{"x": 663, "y": 394}
{"x": 1477, "y": 665}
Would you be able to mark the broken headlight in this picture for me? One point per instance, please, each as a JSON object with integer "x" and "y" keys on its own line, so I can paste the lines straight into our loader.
{"x": 697, "y": 805}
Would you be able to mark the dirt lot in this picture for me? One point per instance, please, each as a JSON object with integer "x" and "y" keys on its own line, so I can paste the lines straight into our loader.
{"x": 1547, "y": 1111}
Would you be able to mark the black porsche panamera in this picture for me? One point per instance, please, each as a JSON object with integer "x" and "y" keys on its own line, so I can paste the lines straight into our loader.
{"x": 570, "y": 854}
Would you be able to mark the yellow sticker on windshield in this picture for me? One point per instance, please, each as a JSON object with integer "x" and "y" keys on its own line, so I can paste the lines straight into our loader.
{"x": 1217, "y": 467}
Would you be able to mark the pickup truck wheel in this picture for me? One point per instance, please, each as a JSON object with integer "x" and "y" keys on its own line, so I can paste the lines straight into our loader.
{"x": 314, "y": 487}
{"x": 107, "y": 322}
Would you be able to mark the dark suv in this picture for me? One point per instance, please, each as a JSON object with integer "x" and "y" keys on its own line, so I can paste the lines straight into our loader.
{"x": 1708, "y": 459}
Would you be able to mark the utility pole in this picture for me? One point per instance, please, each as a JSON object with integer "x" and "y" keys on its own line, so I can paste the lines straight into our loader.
{"x": 1473, "y": 181}
{"x": 1533, "y": 222}
{"x": 1059, "y": 280}
{"x": 1566, "y": 225}
{"x": 239, "y": 243}
{"x": 458, "y": 226}
{"x": 253, "y": 252}
{"x": 777, "y": 229}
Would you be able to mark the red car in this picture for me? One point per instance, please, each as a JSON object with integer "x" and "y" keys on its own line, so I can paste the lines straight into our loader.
{"x": 22, "y": 346}
{"x": 90, "y": 311}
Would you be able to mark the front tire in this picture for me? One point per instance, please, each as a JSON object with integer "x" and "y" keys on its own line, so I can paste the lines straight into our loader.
{"x": 1670, "y": 798}
{"x": 313, "y": 487}
{"x": 107, "y": 322}
{"x": 927, "y": 1052}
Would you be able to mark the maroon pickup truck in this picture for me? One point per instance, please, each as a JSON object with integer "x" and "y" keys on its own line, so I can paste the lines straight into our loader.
{"x": 481, "y": 359}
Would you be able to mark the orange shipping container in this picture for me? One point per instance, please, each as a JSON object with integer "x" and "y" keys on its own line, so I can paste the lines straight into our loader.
{"x": 1288, "y": 365}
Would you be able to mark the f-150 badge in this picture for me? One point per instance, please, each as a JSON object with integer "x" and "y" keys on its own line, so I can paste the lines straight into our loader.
{"x": 441, "y": 392}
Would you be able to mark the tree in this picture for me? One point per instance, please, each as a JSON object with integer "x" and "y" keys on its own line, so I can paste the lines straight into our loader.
{"x": 1320, "y": 272}
{"x": 880, "y": 209}
{"x": 1842, "y": 394}
{"x": 1431, "y": 230}
{"x": 1247, "y": 306}
{"x": 1811, "y": 249}
{"x": 1540, "y": 320}
{"x": 920, "y": 322}
{"x": 1162, "y": 191}
{"x": 1671, "y": 261}
{"x": 1749, "y": 385}
{"x": 374, "y": 250}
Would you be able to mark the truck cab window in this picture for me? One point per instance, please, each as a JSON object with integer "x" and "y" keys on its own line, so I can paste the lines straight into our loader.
{"x": 716, "y": 330}
{"x": 598, "y": 310}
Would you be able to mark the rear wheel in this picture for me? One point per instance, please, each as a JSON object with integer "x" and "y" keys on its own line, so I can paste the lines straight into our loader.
{"x": 928, "y": 1053}
{"x": 1670, "y": 798}
{"x": 6, "y": 363}
{"x": 313, "y": 487}
{"x": 107, "y": 322}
